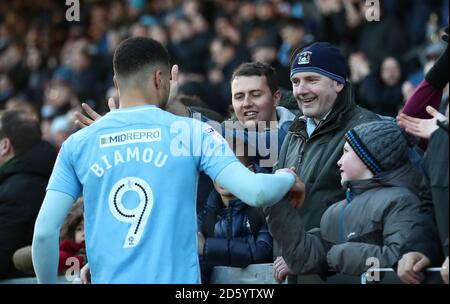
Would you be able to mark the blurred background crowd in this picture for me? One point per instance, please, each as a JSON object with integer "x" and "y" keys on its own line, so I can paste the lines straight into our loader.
{"x": 48, "y": 66}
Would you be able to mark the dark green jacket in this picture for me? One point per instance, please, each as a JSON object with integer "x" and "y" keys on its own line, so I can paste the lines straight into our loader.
{"x": 316, "y": 159}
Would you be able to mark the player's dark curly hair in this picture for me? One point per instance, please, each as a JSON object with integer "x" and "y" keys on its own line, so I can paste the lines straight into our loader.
{"x": 134, "y": 54}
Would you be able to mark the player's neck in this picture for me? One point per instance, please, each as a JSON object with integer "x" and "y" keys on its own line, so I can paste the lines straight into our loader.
{"x": 134, "y": 100}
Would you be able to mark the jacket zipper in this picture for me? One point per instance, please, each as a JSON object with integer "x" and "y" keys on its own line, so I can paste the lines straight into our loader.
{"x": 302, "y": 152}
{"x": 230, "y": 228}
{"x": 305, "y": 139}
{"x": 348, "y": 199}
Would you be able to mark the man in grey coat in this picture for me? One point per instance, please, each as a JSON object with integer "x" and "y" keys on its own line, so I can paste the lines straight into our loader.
{"x": 315, "y": 139}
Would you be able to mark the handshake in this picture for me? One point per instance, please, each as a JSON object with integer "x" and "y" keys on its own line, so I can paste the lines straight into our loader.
{"x": 297, "y": 193}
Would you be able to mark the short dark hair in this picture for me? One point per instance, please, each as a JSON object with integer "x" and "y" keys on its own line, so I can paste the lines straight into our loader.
{"x": 258, "y": 69}
{"x": 134, "y": 54}
{"x": 21, "y": 128}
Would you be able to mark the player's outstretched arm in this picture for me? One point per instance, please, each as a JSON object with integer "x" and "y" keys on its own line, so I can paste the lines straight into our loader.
{"x": 258, "y": 189}
{"x": 45, "y": 247}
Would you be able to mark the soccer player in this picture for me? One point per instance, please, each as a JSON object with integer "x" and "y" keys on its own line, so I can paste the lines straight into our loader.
{"x": 137, "y": 170}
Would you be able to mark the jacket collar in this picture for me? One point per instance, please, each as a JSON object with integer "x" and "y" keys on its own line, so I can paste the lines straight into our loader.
{"x": 284, "y": 116}
{"x": 407, "y": 176}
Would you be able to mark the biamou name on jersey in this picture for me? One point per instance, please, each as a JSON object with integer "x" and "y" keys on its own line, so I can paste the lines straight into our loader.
{"x": 146, "y": 155}
{"x": 129, "y": 137}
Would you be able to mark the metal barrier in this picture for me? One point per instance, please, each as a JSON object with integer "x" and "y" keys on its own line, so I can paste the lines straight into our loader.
{"x": 431, "y": 275}
{"x": 263, "y": 274}
{"x": 252, "y": 274}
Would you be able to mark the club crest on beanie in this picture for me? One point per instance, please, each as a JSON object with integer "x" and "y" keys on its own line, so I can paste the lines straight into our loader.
{"x": 381, "y": 145}
{"x": 304, "y": 58}
{"x": 322, "y": 58}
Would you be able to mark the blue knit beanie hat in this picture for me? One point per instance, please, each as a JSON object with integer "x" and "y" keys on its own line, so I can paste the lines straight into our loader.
{"x": 322, "y": 58}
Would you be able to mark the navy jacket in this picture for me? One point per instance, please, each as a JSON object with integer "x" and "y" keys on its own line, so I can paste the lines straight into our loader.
{"x": 230, "y": 239}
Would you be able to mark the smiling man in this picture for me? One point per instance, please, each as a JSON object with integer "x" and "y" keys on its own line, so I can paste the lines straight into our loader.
{"x": 315, "y": 139}
{"x": 255, "y": 99}
{"x": 255, "y": 94}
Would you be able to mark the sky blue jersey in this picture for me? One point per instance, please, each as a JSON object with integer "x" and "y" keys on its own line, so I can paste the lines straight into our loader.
{"x": 137, "y": 170}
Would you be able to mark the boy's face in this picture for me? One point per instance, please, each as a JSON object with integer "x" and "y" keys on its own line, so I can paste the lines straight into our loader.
{"x": 351, "y": 166}
{"x": 79, "y": 233}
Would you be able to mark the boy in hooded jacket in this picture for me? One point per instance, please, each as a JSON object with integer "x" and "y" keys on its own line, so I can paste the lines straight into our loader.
{"x": 374, "y": 220}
